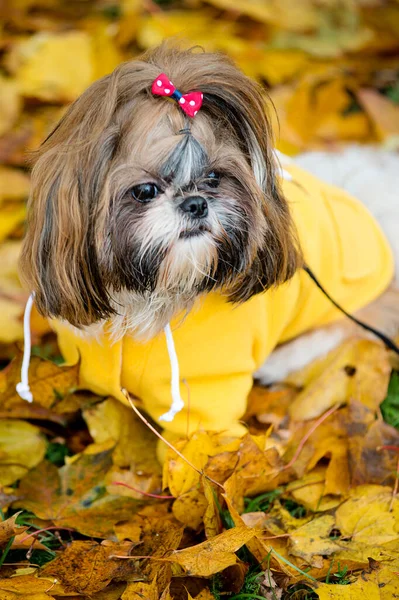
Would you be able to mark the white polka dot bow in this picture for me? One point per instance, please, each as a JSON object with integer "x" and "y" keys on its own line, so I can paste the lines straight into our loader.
{"x": 189, "y": 103}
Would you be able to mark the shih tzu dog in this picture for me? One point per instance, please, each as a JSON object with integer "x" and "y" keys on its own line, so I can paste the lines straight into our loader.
{"x": 158, "y": 203}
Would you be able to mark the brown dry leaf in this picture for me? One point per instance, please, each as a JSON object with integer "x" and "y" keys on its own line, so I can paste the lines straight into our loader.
{"x": 214, "y": 555}
{"x": 328, "y": 381}
{"x": 269, "y": 405}
{"x": 74, "y": 495}
{"x": 87, "y": 567}
{"x": 258, "y": 470}
{"x": 48, "y": 382}
{"x": 368, "y": 461}
{"x": 28, "y": 133}
{"x": 9, "y": 528}
{"x": 383, "y": 112}
{"x": 141, "y": 591}
{"x": 351, "y": 439}
{"x": 22, "y": 541}
{"x": 22, "y": 447}
{"x": 155, "y": 537}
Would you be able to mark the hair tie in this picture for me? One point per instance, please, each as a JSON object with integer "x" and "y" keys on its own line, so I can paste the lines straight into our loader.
{"x": 189, "y": 103}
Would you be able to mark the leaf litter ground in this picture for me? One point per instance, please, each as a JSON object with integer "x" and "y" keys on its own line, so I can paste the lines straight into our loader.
{"x": 305, "y": 505}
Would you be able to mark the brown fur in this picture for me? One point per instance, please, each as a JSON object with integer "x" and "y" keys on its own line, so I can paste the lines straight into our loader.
{"x": 72, "y": 258}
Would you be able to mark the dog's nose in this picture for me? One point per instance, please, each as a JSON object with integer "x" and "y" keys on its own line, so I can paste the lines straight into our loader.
{"x": 195, "y": 206}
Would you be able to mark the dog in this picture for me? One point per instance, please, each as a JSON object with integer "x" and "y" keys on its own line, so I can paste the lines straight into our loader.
{"x": 159, "y": 204}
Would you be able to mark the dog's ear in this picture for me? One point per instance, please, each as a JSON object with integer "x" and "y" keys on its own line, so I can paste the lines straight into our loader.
{"x": 278, "y": 256}
{"x": 59, "y": 260}
{"x": 240, "y": 105}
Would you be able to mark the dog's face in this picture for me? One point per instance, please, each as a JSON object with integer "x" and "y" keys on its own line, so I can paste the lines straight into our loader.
{"x": 136, "y": 209}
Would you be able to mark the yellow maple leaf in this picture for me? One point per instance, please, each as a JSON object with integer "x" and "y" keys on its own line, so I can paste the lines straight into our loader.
{"x": 214, "y": 555}
{"x": 53, "y": 67}
{"x": 357, "y": 369}
{"x": 10, "y": 104}
{"x": 377, "y": 583}
{"x": 22, "y": 446}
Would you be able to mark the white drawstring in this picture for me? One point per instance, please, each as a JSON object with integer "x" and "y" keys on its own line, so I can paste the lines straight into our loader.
{"x": 22, "y": 388}
{"x": 177, "y": 403}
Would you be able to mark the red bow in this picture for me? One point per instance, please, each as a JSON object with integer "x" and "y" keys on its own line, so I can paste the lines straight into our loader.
{"x": 189, "y": 103}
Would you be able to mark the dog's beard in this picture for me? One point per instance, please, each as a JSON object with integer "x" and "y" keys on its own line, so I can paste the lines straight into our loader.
{"x": 170, "y": 260}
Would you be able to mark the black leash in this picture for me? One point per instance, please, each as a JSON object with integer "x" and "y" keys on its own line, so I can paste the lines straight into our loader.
{"x": 387, "y": 341}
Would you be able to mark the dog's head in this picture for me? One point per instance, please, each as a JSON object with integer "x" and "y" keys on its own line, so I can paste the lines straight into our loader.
{"x": 134, "y": 204}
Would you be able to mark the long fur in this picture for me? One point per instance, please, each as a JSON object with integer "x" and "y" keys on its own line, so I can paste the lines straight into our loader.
{"x": 93, "y": 253}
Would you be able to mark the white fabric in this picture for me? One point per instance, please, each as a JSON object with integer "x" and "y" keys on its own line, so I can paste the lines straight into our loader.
{"x": 22, "y": 387}
{"x": 177, "y": 403}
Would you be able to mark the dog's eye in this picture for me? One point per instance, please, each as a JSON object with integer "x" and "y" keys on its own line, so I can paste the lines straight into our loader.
{"x": 213, "y": 179}
{"x": 145, "y": 192}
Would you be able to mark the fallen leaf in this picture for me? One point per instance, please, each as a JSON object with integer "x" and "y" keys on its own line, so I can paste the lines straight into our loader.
{"x": 189, "y": 508}
{"x": 141, "y": 591}
{"x": 257, "y": 471}
{"x": 11, "y": 216}
{"x": 327, "y": 381}
{"x": 14, "y": 184}
{"x": 381, "y": 583}
{"x": 135, "y": 444}
{"x": 155, "y": 537}
{"x": 22, "y": 447}
{"x": 11, "y": 329}
{"x": 178, "y": 475}
{"x": 9, "y": 528}
{"x": 214, "y": 555}
{"x": 87, "y": 567}
{"x": 48, "y": 381}
{"x": 212, "y": 519}
{"x": 10, "y": 106}
{"x": 74, "y": 495}
{"x": 45, "y": 65}
{"x": 312, "y": 541}
{"x": 285, "y": 13}
{"x": 383, "y": 112}
{"x": 29, "y": 586}
{"x": 366, "y": 515}
{"x": 310, "y": 490}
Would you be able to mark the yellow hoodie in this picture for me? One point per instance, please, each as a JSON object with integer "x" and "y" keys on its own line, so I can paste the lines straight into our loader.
{"x": 219, "y": 345}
